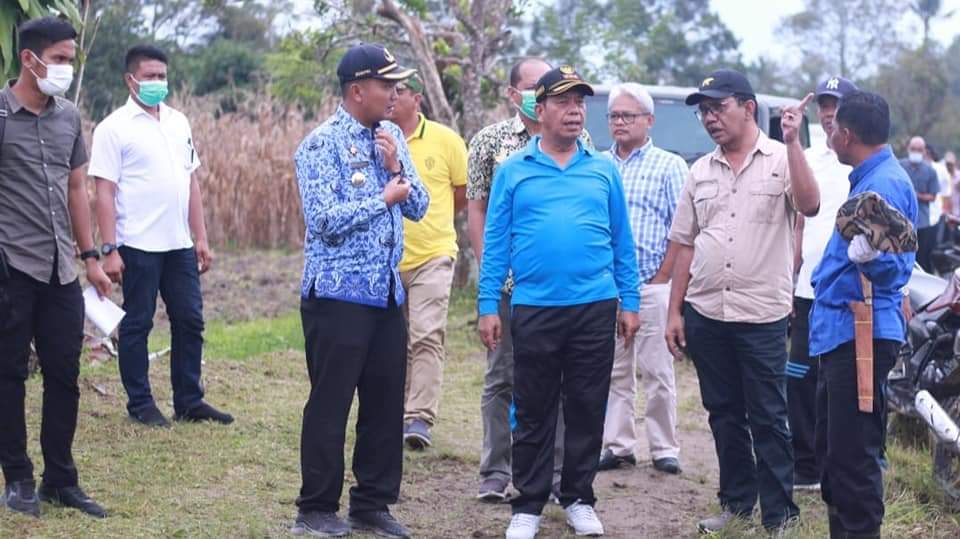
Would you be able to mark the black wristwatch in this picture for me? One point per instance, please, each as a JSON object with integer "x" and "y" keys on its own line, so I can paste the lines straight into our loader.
{"x": 92, "y": 253}
{"x": 107, "y": 248}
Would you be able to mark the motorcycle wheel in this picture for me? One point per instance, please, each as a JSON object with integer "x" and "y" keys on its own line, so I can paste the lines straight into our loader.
{"x": 946, "y": 461}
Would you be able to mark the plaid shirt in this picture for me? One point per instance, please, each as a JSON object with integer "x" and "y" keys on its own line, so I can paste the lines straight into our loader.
{"x": 652, "y": 181}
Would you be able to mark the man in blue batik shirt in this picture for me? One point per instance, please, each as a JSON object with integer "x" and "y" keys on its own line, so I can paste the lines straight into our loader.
{"x": 850, "y": 441}
{"x": 357, "y": 182}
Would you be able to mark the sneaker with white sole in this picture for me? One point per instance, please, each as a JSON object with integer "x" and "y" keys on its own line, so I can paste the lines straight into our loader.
{"x": 583, "y": 519}
{"x": 523, "y": 526}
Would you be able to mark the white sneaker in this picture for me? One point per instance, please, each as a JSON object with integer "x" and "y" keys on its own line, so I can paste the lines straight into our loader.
{"x": 583, "y": 519}
{"x": 523, "y": 526}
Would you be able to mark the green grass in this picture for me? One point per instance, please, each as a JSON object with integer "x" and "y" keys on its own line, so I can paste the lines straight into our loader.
{"x": 242, "y": 480}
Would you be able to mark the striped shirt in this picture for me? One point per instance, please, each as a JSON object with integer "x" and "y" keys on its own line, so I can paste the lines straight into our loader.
{"x": 652, "y": 181}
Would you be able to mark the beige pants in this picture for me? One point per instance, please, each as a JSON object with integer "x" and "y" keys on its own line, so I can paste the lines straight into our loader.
{"x": 428, "y": 296}
{"x": 649, "y": 356}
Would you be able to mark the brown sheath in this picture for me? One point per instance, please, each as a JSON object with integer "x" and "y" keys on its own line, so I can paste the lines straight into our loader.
{"x": 863, "y": 330}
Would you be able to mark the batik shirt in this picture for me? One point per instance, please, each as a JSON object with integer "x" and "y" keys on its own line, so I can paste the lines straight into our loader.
{"x": 353, "y": 241}
{"x": 491, "y": 146}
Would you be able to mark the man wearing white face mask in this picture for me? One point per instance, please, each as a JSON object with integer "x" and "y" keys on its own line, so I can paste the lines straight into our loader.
{"x": 154, "y": 239}
{"x": 43, "y": 209}
{"x": 489, "y": 147}
{"x": 927, "y": 186}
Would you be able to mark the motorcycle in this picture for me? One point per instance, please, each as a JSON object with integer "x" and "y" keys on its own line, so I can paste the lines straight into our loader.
{"x": 925, "y": 382}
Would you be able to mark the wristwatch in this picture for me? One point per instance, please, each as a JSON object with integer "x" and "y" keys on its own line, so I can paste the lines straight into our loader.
{"x": 91, "y": 253}
{"x": 107, "y": 248}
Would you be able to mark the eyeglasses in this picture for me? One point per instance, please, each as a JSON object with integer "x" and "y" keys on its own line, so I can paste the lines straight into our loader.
{"x": 626, "y": 117}
{"x": 717, "y": 109}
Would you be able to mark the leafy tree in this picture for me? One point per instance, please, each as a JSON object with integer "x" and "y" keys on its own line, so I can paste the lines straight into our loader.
{"x": 915, "y": 84}
{"x": 847, "y": 38}
{"x": 13, "y": 12}
{"x": 928, "y": 10}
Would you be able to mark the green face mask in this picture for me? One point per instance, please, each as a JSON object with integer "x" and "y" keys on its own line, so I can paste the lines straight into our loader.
{"x": 528, "y": 104}
{"x": 152, "y": 92}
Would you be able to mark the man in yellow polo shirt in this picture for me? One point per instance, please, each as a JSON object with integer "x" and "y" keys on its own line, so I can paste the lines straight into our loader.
{"x": 429, "y": 251}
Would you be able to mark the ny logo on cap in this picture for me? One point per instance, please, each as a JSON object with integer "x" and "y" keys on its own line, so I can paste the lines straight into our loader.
{"x": 387, "y": 55}
{"x": 833, "y": 83}
{"x": 707, "y": 81}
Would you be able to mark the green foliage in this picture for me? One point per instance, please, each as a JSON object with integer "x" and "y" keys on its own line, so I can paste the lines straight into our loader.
{"x": 221, "y": 64}
{"x": 662, "y": 41}
{"x": 303, "y": 69}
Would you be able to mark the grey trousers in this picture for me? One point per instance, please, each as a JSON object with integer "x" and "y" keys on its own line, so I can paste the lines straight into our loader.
{"x": 495, "y": 456}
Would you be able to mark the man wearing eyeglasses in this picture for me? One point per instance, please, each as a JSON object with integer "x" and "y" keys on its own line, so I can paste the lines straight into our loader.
{"x": 652, "y": 181}
{"x": 732, "y": 292}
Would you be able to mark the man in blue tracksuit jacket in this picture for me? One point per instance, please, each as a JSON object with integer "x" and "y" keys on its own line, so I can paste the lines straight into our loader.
{"x": 558, "y": 218}
{"x": 848, "y": 441}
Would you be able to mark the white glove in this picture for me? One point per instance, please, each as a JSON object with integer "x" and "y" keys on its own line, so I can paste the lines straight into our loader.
{"x": 860, "y": 251}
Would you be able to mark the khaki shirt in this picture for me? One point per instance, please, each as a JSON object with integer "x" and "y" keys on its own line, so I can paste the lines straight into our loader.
{"x": 36, "y": 157}
{"x": 741, "y": 230}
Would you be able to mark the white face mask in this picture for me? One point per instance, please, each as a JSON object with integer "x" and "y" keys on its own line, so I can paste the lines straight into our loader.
{"x": 59, "y": 78}
{"x": 915, "y": 157}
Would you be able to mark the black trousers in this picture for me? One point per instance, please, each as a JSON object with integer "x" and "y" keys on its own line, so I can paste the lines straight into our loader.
{"x": 352, "y": 348}
{"x": 742, "y": 383}
{"x": 849, "y": 442}
{"x": 560, "y": 352}
{"x": 52, "y": 315}
{"x": 802, "y": 371}
{"x": 926, "y": 241}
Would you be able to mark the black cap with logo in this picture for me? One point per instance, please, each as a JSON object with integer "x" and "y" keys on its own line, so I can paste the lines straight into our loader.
{"x": 560, "y": 80}
{"x": 370, "y": 61}
{"x": 835, "y": 86}
{"x": 720, "y": 84}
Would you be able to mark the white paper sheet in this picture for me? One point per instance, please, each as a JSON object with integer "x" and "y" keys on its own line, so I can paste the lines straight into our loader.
{"x": 104, "y": 314}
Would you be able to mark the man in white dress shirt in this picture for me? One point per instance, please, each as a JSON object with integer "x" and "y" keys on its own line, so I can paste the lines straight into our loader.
{"x": 154, "y": 239}
{"x": 812, "y": 236}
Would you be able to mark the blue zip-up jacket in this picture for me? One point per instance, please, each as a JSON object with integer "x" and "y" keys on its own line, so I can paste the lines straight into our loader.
{"x": 564, "y": 232}
{"x": 836, "y": 280}
{"x": 353, "y": 242}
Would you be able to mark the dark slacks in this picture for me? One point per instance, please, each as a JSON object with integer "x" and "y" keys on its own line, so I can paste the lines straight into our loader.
{"x": 175, "y": 276}
{"x": 849, "y": 442}
{"x": 926, "y": 241}
{"x": 352, "y": 348}
{"x": 560, "y": 352}
{"x": 802, "y": 373}
{"x": 52, "y": 315}
{"x": 743, "y": 386}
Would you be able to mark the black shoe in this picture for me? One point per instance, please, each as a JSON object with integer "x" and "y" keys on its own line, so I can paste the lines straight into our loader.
{"x": 320, "y": 524}
{"x": 380, "y": 523}
{"x": 609, "y": 461}
{"x": 668, "y": 465}
{"x": 21, "y": 496}
{"x": 416, "y": 434}
{"x": 151, "y": 417}
{"x": 72, "y": 497}
{"x": 204, "y": 412}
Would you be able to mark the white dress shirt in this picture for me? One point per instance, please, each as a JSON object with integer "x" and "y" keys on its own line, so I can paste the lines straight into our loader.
{"x": 834, "y": 183}
{"x": 151, "y": 162}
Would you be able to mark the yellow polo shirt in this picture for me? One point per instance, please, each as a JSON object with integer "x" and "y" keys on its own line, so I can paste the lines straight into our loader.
{"x": 440, "y": 157}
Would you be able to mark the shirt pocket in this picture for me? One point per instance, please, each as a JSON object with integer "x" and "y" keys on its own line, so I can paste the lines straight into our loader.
{"x": 765, "y": 197}
{"x": 705, "y": 199}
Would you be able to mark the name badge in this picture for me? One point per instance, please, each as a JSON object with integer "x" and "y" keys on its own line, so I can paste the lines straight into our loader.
{"x": 357, "y": 165}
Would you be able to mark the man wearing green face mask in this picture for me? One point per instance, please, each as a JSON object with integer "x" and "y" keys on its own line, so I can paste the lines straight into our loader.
{"x": 150, "y": 214}
{"x": 489, "y": 147}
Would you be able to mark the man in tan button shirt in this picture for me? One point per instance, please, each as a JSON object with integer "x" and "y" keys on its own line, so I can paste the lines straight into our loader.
{"x": 732, "y": 292}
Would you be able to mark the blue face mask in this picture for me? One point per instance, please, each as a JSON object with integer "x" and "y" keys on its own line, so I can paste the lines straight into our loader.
{"x": 152, "y": 92}
{"x": 528, "y": 104}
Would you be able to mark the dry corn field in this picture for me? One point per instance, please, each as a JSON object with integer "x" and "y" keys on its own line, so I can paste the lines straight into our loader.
{"x": 247, "y": 175}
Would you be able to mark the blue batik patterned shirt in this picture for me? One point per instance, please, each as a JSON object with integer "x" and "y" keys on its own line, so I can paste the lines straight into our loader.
{"x": 652, "y": 181}
{"x": 353, "y": 241}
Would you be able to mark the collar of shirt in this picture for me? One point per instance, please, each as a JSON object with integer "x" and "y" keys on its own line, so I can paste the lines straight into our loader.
{"x": 863, "y": 169}
{"x": 15, "y": 105}
{"x": 345, "y": 120}
{"x": 636, "y": 153}
{"x": 134, "y": 109}
{"x": 421, "y": 128}
{"x": 532, "y": 152}
{"x": 516, "y": 125}
{"x": 763, "y": 145}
